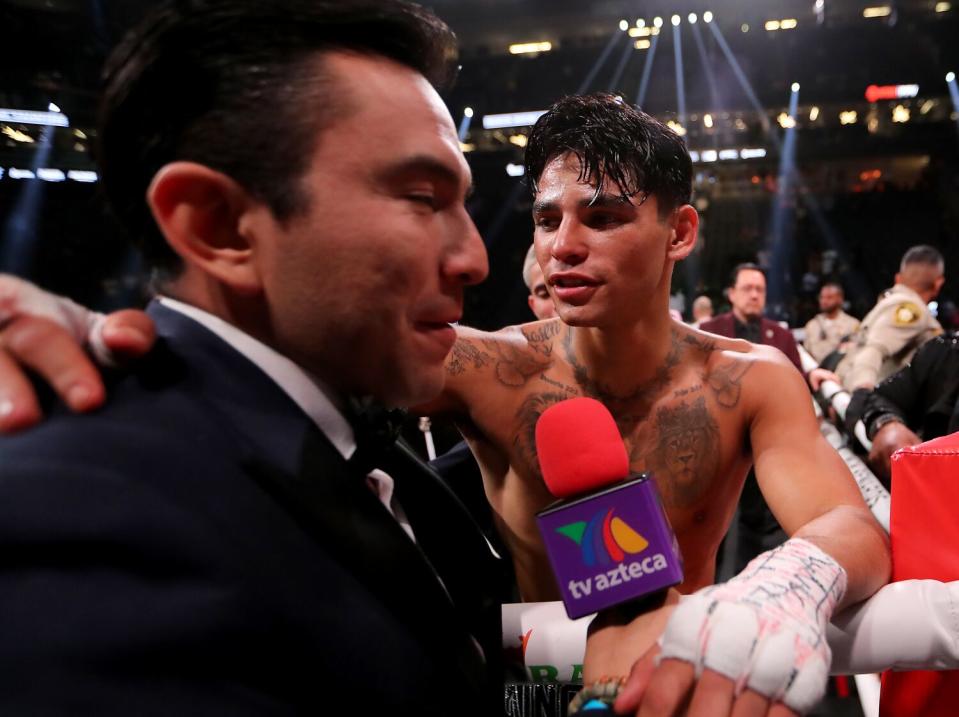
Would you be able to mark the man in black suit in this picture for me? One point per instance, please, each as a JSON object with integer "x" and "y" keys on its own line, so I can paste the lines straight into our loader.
{"x": 215, "y": 541}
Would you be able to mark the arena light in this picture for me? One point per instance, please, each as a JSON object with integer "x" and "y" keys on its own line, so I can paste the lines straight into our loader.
{"x": 877, "y": 11}
{"x": 744, "y": 27}
{"x": 48, "y": 119}
{"x": 727, "y": 154}
{"x": 709, "y": 155}
{"x": 642, "y": 31}
{"x": 848, "y": 117}
{"x": 657, "y": 21}
{"x": 523, "y": 48}
{"x": 467, "y": 111}
{"x": 520, "y": 140}
{"x": 786, "y": 121}
{"x": 707, "y": 16}
{"x": 676, "y": 127}
{"x": 900, "y": 114}
{"x": 624, "y": 25}
{"x": 16, "y": 135}
{"x": 48, "y": 174}
{"x": 794, "y": 87}
{"x": 943, "y": 6}
{"x": 950, "y": 77}
{"x": 675, "y": 19}
{"x": 515, "y": 170}
{"x": 772, "y": 25}
{"x": 79, "y": 134}
{"x": 708, "y": 120}
{"x": 642, "y": 44}
{"x": 16, "y": 173}
{"x": 788, "y": 24}
{"x": 813, "y": 113}
{"x": 692, "y": 18}
{"x": 927, "y": 106}
{"x": 512, "y": 119}
{"x": 466, "y": 147}
{"x": 752, "y": 153}
{"x": 640, "y": 22}
{"x": 82, "y": 175}
{"x": 874, "y": 93}
{"x": 693, "y": 156}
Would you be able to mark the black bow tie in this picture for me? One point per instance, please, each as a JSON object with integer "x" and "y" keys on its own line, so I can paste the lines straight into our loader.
{"x": 376, "y": 429}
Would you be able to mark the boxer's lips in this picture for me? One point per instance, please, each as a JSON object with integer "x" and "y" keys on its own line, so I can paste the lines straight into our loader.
{"x": 573, "y": 287}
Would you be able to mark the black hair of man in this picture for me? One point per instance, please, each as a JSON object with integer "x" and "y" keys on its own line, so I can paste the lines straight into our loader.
{"x": 745, "y": 266}
{"x": 833, "y": 285}
{"x": 238, "y": 86}
{"x": 613, "y": 141}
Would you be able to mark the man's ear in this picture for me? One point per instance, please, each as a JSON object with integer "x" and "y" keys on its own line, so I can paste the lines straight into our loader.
{"x": 685, "y": 226}
{"x": 199, "y": 211}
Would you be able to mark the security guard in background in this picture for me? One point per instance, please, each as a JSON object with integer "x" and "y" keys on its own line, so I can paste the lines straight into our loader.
{"x": 899, "y": 323}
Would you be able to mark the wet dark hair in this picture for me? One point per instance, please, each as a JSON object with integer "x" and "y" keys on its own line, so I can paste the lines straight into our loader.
{"x": 745, "y": 266}
{"x": 613, "y": 141}
{"x": 239, "y": 86}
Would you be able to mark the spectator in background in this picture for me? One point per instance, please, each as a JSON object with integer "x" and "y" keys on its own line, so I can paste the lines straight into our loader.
{"x": 899, "y": 323}
{"x": 702, "y": 310}
{"x": 539, "y": 299}
{"x": 747, "y": 295}
{"x": 918, "y": 403}
{"x": 829, "y": 328}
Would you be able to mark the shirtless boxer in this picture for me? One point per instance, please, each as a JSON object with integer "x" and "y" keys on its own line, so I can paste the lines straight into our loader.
{"x": 612, "y": 218}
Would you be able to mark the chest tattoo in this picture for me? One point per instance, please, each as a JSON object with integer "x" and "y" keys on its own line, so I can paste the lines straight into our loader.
{"x": 687, "y": 451}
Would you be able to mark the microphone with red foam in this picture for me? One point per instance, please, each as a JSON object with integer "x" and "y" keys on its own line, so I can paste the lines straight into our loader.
{"x": 608, "y": 538}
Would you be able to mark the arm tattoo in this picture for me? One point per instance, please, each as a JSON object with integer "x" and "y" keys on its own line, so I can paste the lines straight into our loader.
{"x": 726, "y": 381}
{"x": 464, "y": 354}
{"x": 540, "y": 337}
{"x": 687, "y": 451}
{"x": 527, "y": 416}
{"x": 515, "y": 366}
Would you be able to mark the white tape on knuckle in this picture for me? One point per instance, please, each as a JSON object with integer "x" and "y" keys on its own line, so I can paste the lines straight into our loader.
{"x": 682, "y": 637}
{"x": 733, "y": 630}
{"x": 809, "y": 686}
{"x": 773, "y": 664}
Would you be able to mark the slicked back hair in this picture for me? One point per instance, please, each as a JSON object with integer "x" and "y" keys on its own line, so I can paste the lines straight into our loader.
{"x": 616, "y": 143}
{"x": 239, "y": 86}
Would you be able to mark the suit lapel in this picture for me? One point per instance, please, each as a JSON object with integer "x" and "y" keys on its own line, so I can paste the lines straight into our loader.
{"x": 342, "y": 513}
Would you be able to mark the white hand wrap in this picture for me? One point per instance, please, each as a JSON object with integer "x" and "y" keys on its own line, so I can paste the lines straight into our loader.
{"x": 766, "y": 628}
{"x": 21, "y": 298}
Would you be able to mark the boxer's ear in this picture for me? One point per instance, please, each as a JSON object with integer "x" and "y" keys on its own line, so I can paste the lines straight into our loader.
{"x": 201, "y": 213}
{"x": 685, "y": 227}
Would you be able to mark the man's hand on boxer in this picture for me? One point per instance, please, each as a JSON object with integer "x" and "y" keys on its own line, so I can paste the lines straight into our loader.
{"x": 47, "y": 334}
{"x": 752, "y": 647}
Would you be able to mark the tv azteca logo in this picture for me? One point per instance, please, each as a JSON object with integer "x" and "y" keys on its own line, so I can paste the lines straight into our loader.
{"x": 607, "y": 539}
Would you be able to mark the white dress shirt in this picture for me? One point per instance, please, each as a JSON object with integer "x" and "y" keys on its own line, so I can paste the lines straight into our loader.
{"x": 306, "y": 391}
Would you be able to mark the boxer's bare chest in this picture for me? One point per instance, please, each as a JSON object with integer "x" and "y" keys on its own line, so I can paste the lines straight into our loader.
{"x": 683, "y": 422}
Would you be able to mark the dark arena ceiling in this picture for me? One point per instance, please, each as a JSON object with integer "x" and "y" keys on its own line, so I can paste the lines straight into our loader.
{"x": 881, "y": 166}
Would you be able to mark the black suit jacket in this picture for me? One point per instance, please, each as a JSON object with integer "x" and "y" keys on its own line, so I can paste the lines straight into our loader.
{"x": 199, "y": 547}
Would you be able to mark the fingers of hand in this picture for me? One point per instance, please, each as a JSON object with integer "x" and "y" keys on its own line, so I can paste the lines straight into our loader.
{"x": 750, "y": 704}
{"x": 45, "y": 347}
{"x": 632, "y": 692}
{"x": 668, "y": 689}
{"x": 18, "y": 404}
{"x": 121, "y": 335}
{"x": 713, "y": 696}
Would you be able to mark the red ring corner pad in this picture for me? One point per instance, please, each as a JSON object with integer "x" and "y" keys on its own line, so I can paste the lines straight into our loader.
{"x": 924, "y": 532}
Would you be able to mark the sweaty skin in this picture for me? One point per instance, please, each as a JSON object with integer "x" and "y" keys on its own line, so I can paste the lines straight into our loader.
{"x": 686, "y": 423}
